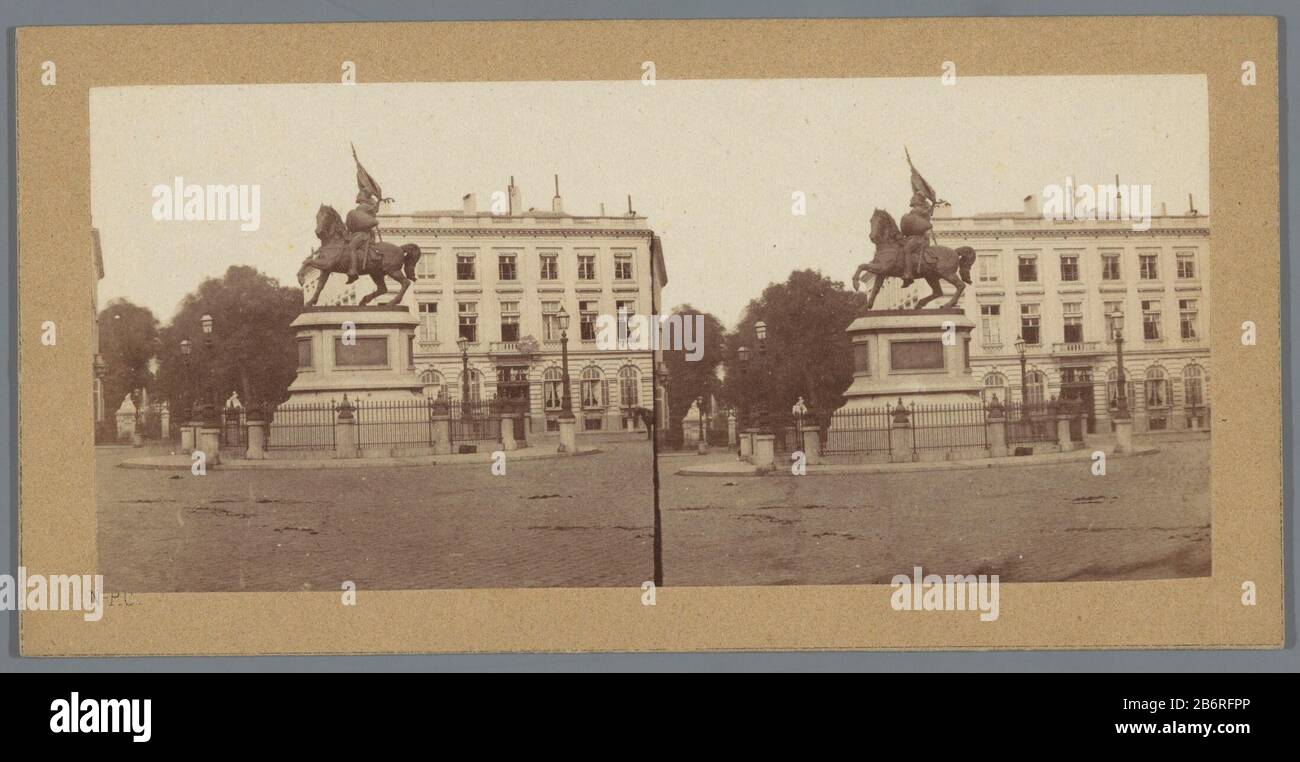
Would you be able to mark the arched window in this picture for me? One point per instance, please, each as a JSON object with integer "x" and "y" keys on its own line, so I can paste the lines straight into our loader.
{"x": 1157, "y": 387}
{"x": 434, "y": 385}
{"x": 553, "y": 389}
{"x": 629, "y": 384}
{"x": 995, "y": 385}
{"x": 593, "y": 387}
{"x": 475, "y": 385}
{"x": 1112, "y": 390}
{"x": 1035, "y": 387}
{"x": 1193, "y": 386}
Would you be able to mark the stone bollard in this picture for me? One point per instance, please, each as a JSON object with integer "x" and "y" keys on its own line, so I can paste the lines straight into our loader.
{"x": 165, "y": 422}
{"x": 1063, "y": 432}
{"x": 731, "y": 427}
{"x": 997, "y": 436}
{"x": 812, "y": 445}
{"x": 189, "y": 430}
{"x": 747, "y": 446}
{"x": 568, "y": 435}
{"x": 256, "y": 434}
{"x": 900, "y": 436}
{"x": 1123, "y": 435}
{"x": 345, "y": 431}
{"x": 764, "y": 451}
{"x": 508, "y": 432}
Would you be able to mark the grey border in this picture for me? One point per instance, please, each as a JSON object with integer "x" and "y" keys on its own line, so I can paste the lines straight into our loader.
{"x": 81, "y": 12}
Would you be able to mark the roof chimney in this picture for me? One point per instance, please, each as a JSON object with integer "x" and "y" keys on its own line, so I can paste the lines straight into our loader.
{"x": 1191, "y": 207}
{"x": 1031, "y": 205}
{"x": 557, "y": 205}
{"x": 515, "y": 204}
{"x": 630, "y": 213}
{"x": 470, "y": 203}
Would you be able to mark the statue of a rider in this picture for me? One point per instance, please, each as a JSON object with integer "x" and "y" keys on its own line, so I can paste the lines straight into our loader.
{"x": 363, "y": 221}
{"x": 915, "y": 225}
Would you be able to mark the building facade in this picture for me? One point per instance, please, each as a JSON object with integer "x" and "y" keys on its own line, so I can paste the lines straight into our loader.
{"x": 500, "y": 280}
{"x": 1055, "y": 283}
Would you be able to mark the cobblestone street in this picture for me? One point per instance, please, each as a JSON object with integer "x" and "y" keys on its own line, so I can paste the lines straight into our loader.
{"x": 1148, "y": 517}
{"x": 569, "y": 522}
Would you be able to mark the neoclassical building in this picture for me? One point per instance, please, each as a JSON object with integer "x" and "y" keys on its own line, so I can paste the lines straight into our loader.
{"x": 1055, "y": 283}
{"x": 500, "y": 280}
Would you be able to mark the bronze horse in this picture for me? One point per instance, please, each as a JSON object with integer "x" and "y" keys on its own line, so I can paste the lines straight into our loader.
{"x": 382, "y": 259}
{"x": 937, "y": 262}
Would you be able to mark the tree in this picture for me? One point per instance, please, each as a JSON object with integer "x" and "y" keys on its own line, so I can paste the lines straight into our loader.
{"x": 688, "y": 379}
{"x": 128, "y": 341}
{"x": 808, "y": 351}
{"x": 252, "y": 349}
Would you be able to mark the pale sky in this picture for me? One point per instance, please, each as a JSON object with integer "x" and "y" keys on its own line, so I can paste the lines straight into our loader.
{"x": 712, "y": 164}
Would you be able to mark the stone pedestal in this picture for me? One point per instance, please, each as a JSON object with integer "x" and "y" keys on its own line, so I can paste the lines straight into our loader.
{"x": 188, "y": 431}
{"x": 997, "y": 429}
{"x": 746, "y": 445}
{"x": 918, "y": 356}
{"x": 900, "y": 442}
{"x": 1063, "y": 432}
{"x": 441, "y": 424}
{"x": 812, "y": 447}
{"x": 363, "y": 352}
{"x": 508, "y": 432}
{"x": 210, "y": 444}
{"x": 731, "y": 427}
{"x": 1123, "y": 435}
{"x": 568, "y": 435}
{"x": 345, "y": 432}
{"x": 256, "y": 440}
{"x": 764, "y": 451}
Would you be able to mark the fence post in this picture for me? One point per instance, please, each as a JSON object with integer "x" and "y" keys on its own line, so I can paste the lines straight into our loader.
{"x": 810, "y": 441}
{"x": 764, "y": 450}
{"x": 190, "y": 431}
{"x": 508, "y": 432}
{"x": 747, "y": 445}
{"x": 1063, "y": 416}
{"x": 209, "y": 439}
{"x": 731, "y": 426}
{"x": 996, "y": 421}
{"x": 345, "y": 431}
{"x": 900, "y": 443}
{"x": 256, "y": 433}
{"x": 440, "y": 425}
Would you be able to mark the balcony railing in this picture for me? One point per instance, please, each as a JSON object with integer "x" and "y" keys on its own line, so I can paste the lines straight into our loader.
{"x": 1076, "y": 347}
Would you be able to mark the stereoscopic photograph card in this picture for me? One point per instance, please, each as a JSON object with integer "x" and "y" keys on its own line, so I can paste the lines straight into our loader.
{"x": 650, "y": 336}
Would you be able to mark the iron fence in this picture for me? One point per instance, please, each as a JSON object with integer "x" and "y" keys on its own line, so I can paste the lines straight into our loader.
{"x": 1029, "y": 422}
{"x": 395, "y": 423}
{"x": 308, "y": 426}
{"x": 858, "y": 431}
{"x": 234, "y": 428}
{"x": 948, "y": 427}
{"x": 475, "y": 421}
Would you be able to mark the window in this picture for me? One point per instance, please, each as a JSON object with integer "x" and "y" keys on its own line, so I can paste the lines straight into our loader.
{"x": 465, "y": 267}
{"x": 987, "y": 270}
{"x": 995, "y": 385}
{"x": 1157, "y": 388}
{"x": 1187, "y": 318}
{"x": 434, "y": 386}
{"x": 550, "y": 267}
{"x": 1186, "y": 265}
{"x": 1072, "y": 327}
{"x": 553, "y": 389}
{"x": 1193, "y": 388}
{"x": 1110, "y": 308}
{"x": 1110, "y": 265}
{"x": 991, "y": 324}
{"x": 550, "y": 321}
{"x": 426, "y": 269}
{"x": 510, "y": 321}
{"x": 623, "y": 267}
{"x": 593, "y": 388}
{"x": 1028, "y": 269}
{"x": 506, "y": 268}
{"x": 468, "y": 313}
{"x": 1029, "y": 324}
{"x": 587, "y": 315}
{"x": 1147, "y": 267}
{"x": 624, "y": 309}
{"x": 1112, "y": 390}
{"x": 1151, "y": 319}
{"x": 586, "y": 267}
{"x": 1035, "y": 386}
{"x": 1069, "y": 267}
{"x": 428, "y": 330}
{"x": 475, "y": 386}
{"x": 629, "y": 385}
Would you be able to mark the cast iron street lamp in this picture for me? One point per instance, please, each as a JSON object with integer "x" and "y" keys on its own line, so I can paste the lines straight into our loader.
{"x": 742, "y": 354}
{"x": 701, "y": 447}
{"x": 760, "y": 330}
{"x": 463, "y": 344}
{"x": 209, "y": 409}
{"x": 1024, "y": 388}
{"x": 1121, "y": 395}
{"x": 566, "y": 412}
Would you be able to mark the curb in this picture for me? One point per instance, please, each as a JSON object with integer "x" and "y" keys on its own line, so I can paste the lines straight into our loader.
{"x": 921, "y": 467}
{"x": 309, "y": 464}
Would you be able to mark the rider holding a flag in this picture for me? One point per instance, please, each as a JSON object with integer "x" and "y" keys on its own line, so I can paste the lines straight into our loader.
{"x": 915, "y": 225}
{"x": 363, "y": 221}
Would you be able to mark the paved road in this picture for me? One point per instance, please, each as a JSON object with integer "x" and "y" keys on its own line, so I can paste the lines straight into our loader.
{"x": 572, "y": 522}
{"x": 1148, "y": 517}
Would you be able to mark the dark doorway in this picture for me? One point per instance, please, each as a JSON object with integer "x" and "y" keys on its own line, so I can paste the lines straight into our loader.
{"x": 512, "y": 387}
{"x": 1076, "y": 387}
